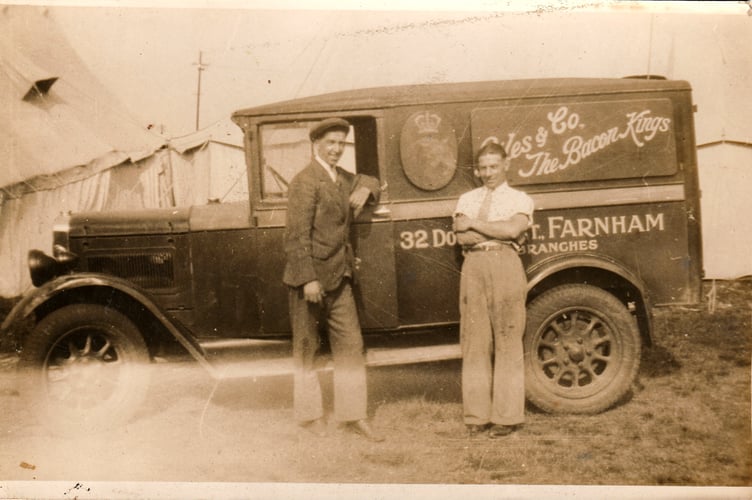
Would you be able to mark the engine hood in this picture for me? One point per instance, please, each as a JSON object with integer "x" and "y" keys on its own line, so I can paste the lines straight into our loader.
{"x": 130, "y": 222}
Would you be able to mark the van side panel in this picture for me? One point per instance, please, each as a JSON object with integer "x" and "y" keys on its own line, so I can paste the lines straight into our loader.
{"x": 649, "y": 238}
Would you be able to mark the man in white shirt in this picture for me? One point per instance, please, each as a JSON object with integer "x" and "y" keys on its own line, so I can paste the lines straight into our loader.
{"x": 488, "y": 221}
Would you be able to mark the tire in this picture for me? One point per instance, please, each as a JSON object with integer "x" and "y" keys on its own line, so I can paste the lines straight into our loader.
{"x": 85, "y": 368}
{"x": 582, "y": 350}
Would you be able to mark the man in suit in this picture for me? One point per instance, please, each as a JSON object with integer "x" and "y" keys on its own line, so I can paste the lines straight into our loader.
{"x": 322, "y": 201}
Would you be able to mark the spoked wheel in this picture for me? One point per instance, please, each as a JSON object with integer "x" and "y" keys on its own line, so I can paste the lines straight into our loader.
{"x": 85, "y": 367}
{"x": 582, "y": 350}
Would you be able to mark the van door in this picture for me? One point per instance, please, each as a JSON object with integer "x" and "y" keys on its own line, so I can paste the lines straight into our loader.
{"x": 284, "y": 150}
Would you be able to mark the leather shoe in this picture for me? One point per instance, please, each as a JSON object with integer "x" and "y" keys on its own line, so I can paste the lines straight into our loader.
{"x": 475, "y": 429}
{"x": 316, "y": 427}
{"x": 498, "y": 431}
{"x": 364, "y": 429}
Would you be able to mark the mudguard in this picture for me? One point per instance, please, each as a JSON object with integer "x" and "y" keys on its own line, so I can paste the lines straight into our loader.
{"x": 41, "y": 295}
{"x": 558, "y": 263}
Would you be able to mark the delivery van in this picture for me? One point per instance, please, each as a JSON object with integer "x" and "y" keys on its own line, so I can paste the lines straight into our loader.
{"x": 609, "y": 163}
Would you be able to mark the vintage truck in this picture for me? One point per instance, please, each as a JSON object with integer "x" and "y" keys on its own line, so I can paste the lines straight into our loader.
{"x": 610, "y": 164}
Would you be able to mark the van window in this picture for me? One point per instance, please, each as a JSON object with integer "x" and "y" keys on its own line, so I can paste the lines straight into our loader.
{"x": 286, "y": 150}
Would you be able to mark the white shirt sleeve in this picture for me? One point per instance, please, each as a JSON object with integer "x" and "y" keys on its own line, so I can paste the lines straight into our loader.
{"x": 526, "y": 207}
{"x": 463, "y": 205}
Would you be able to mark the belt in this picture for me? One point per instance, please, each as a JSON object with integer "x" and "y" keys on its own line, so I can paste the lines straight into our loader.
{"x": 496, "y": 246}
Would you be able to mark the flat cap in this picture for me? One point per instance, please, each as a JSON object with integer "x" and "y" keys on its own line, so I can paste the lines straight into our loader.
{"x": 324, "y": 126}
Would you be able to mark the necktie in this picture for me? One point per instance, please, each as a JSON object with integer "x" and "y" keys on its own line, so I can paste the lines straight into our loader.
{"x": 485, "y": 206}
{"x": 333, "y": 174}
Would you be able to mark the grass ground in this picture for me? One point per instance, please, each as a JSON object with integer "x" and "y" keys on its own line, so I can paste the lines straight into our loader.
{"x": 686, "y": 423}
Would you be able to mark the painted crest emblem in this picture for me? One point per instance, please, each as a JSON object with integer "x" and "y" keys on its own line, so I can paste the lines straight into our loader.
{"x": 428, "y": 148}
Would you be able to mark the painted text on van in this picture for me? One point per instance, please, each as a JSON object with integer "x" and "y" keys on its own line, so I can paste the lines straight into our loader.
{"x": 641, "y": 127}
{"x": 590, "y": 227}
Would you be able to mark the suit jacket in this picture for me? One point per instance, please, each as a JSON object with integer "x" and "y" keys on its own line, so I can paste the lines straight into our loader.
{"x": 318, "y": 225}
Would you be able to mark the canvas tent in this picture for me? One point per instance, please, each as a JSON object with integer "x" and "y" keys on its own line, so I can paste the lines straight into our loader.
{"x": 725, "y": 181}
{"x": 209, "y": 164}
{"x": 61, "y": 134}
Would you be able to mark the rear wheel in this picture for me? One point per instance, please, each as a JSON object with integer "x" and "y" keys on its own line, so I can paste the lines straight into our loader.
{"x": 582, "y": 350}
{"x": 85, "y": 367}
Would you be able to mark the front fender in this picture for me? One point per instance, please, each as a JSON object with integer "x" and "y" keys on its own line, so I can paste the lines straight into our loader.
{"x": 36, "y": 297}
{"x": 39, "y": 295}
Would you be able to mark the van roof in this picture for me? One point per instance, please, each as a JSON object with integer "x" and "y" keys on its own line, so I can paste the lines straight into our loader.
{"x": 405, "y": 95}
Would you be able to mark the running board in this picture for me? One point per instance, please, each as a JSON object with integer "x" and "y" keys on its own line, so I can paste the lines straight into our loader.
{"x": 269, "y": 367}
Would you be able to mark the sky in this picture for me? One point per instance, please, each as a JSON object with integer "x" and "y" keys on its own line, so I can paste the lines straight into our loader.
{"x": 148, "y": 56}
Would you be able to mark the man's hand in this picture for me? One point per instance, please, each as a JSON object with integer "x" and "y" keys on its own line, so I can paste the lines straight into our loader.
{"x": 462, "y": 223}
{"x": 470, "y": 238}
{"x": 358, "y": 199}
{"x": 313, "y": 292}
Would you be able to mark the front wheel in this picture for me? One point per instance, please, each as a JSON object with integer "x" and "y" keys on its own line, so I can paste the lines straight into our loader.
{"x": 582, "y": 350}
{"x": 85, "y": 367}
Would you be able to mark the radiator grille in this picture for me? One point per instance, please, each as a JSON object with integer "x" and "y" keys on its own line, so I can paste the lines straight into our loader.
{"x": 151, "y": 270}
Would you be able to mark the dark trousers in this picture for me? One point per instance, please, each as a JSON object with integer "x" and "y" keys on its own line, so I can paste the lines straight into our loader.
{"x": 492, "y": 311}
{"x": 340, "y": 315}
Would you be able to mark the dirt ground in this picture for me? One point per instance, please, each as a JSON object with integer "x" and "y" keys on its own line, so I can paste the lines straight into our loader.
{"x": 686, "y": 423}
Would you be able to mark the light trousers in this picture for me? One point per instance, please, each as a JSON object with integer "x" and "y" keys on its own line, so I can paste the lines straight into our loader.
{"x": 492, "y": 310}
{"x": 340, "y": 315}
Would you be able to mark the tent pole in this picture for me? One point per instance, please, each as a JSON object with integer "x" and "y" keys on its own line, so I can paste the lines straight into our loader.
{"x": 201, "y": 67}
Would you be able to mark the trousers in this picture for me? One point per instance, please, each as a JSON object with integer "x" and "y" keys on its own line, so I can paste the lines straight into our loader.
{"x": 340, "y": 316}
{"x": 492, "y": 323}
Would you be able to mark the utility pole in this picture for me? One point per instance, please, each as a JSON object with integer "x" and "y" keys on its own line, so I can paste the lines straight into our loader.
{"x": 201, "y": 67}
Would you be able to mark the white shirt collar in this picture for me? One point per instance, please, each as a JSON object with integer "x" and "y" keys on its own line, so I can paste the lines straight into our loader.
{"x": 332, "y": 171}
{"x": 501, "y": 187}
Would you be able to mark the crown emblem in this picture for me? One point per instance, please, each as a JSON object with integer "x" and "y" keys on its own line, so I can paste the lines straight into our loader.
{"x": 427, "y": 123}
